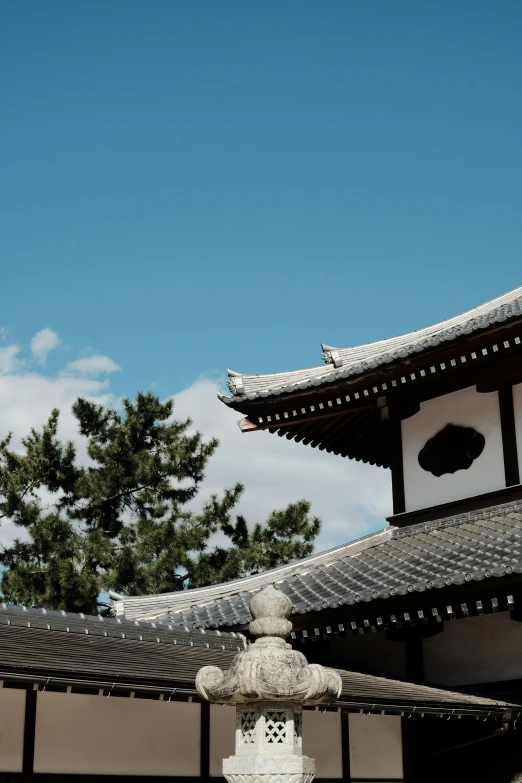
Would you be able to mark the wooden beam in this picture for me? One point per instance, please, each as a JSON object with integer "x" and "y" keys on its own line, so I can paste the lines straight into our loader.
{"x": 204, "y": 764}
{"x": 397, "y": 468}
{"x": 345, "y": 747}
{"x": 508, "y": 374}
{"x": 247, "y": 424}
{"x": 29, "y": 730}
{"x": 460, "y": 506}
{"x": 509, "y": 435}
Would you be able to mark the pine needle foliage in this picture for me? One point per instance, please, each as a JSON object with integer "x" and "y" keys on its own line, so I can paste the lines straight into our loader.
{"x": 125, "y": 518}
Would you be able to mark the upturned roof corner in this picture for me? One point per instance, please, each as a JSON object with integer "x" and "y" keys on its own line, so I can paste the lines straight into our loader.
{"x": 368, "y": 357}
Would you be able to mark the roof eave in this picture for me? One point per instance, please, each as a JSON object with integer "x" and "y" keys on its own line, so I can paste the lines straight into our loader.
{"x": 244, "y": 403}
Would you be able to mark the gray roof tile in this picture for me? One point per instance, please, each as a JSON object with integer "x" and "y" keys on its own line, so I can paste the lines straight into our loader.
{"x": 158, "y": 631}
{"x": 472, "y": 546}
{"x": 55, "y": 658}
{"x": 359, "y": 359}
{"x": 364, "y": 688}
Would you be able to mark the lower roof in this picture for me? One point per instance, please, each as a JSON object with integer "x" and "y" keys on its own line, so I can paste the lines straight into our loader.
{"x": 57, "y": 659}
{"x": 468, "y": 547}
{"x": 119, "y": 628}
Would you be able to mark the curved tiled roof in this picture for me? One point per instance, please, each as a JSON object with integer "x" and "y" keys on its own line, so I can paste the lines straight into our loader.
{"x": 32, "y": 653}
{"x": 357, "y": 360}
{"x": 118, "y": 628}
{"x": 472, "y": 546}
{"x": 117, "y": 665}
{"x": 152, "y": 606}
{"x": 360, "y": 688}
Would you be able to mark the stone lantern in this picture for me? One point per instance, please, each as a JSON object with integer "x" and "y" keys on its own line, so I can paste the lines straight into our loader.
{"x": 269, "y": 683}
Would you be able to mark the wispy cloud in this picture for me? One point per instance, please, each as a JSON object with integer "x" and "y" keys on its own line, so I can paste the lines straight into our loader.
{"x": 9, "y": 361}
{"x": 92, "y": 365}
{"x": 43, "y": 343}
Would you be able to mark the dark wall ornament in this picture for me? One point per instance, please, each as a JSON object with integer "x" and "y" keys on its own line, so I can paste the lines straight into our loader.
{"x": 453, "y": 448}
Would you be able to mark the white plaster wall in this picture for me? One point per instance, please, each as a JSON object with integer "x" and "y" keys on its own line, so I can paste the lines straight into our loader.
{"x": 12, "y": 716}
{"x": 375, "y": 746}
{"x": 517, "y": 404}
{"x": 120, "y": 736}
{"x": 466, "y": 408}
{"x": 474, "y": 650}
{"x": 322, "y": 742}
{"x": 222, "y": 736}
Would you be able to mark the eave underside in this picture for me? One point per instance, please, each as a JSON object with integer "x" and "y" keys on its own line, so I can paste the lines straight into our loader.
{"x": 353, "y": 418}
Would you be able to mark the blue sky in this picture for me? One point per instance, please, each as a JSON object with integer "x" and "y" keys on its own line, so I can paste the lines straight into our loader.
{"x": 190, "y": 186}
{"x": 187, "y": 186}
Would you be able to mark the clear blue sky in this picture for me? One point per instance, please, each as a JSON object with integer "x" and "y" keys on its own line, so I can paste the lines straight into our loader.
{"x": 191, "y": 185}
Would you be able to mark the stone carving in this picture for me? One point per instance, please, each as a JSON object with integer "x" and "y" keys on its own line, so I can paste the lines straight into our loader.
{"x": 282, "y": 778}
{"x": 453, "y": 448}
{"x": 269, "y": 683}
{"x": 269, "y": 669}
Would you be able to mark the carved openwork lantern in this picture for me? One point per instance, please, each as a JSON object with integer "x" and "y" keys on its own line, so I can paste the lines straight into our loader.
{"x": 269, "y": 683}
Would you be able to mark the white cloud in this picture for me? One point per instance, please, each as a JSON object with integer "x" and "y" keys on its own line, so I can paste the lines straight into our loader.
{"x": 27, "y": 398}
{"x": 351, "y": 498}
{"x": 9, "y": 361}
{"x": 43, "y": 343}
{"x": 92, "y": 365}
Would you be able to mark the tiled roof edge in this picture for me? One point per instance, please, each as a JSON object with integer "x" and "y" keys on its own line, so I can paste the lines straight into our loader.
{"x": 457, "y": 519}
{"x": 177, "y": 602}
{"x": 500, "y": 314}
{"x": 137, "y": 630}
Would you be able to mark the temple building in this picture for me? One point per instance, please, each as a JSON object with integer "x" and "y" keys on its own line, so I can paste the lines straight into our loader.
{"x": 422, "y": 619}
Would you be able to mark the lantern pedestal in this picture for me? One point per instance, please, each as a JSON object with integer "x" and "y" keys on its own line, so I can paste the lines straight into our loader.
{"x": 268, "y": 683}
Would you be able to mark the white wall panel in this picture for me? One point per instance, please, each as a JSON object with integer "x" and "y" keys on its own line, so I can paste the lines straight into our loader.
{"x": 322, "y": 741}
{"x": 466, "y": 408}
{"x": 517, "y": 403}
{"x": 222, "y": 736}
{"x": 12, "y": 717}
{"x": 119, "y": 736}
{"x": 474, "y": 650}
{"x": 375, "y": 746}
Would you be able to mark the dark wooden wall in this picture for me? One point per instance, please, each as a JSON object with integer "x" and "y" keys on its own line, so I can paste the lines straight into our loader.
{"x": 434, "y": 755}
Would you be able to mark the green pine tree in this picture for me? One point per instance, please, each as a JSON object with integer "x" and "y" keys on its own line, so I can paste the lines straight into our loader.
{"x": 122, "y": 521}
